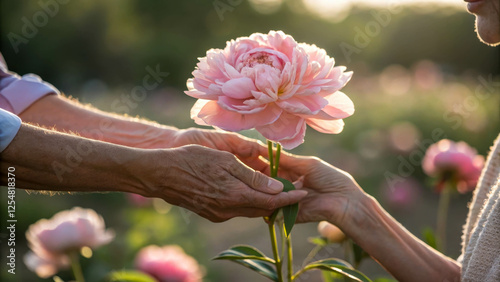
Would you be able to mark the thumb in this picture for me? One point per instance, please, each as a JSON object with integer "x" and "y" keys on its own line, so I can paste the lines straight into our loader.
{"x": 256, "y": 180}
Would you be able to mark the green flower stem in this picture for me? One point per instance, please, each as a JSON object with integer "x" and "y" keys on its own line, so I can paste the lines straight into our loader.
{"x": 277, "y": 161}
{"x": 442, "y": 215}
{"x": 283, "y": 241}
{"x": 296, "y": 275}
{"x": 75, "y": 266}
{"x": 274, "y": 243}
{"x": 274, "y": 161}
{"x": 270, "y": 147}
{"x": 290, "y": 257}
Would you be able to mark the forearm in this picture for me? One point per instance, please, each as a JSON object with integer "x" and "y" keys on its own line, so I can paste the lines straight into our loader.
{"x": 65, "y": 115}
{"x": 48, "y": 160}
{"x": 402, "y": 254}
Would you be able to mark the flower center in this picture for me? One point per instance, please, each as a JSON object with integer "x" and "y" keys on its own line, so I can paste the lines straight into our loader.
{"x": 262, "y": 58}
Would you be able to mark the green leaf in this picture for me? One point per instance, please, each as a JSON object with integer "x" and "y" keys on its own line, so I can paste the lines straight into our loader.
{"x": 383, "y": 279}
{"x": 243, "y": 252}
{"x": 287, "y": 185}
{"x": 130, "y": 276}
{"x": 251, "y": 258}
{"x": 273, "y": 216}
{"x": 359, "y": 253}
{"x": 320, "y": 241}
{"x": 429, "y": 237}
{"x": 336, "y": 266}
{"x": 260, "y": 267}
{"x": 290, "y": 212}
{"x": 329, "y": 276}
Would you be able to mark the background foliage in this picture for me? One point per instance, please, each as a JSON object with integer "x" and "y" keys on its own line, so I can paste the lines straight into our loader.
{"x": 419, "y": 73}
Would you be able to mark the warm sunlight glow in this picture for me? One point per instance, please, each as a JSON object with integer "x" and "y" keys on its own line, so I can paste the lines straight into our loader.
{"x": 338, "y": 10}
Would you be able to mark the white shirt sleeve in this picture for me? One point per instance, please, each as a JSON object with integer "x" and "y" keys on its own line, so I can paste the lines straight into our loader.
{"x": 9, "y": 126}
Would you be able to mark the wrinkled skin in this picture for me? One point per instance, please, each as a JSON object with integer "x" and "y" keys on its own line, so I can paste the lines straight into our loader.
{"x": 217, "y": 190}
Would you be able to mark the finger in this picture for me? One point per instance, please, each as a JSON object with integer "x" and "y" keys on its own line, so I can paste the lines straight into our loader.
{"x": 258, "y": 164}
{"x": 282, "y": 199}
{"x": 242, "y": 146}
{"x": 256, "y": 180}
{"x": 288, "y": 160}
{"x": 299, "y": 183}
{"x": 250, "y": 212}
{"x": 263, "y": 149}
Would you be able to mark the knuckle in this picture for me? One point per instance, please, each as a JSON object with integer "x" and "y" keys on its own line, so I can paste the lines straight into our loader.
{"x": 257, "y": 179}
{"x": 245, "y": 198}
{"x": 220, "y": 175}
{"x": 271, "y": 203}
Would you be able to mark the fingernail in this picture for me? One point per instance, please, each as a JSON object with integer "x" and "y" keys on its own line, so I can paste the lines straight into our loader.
{"x": 275, "y": 185}
{"x": 302, "y": 193}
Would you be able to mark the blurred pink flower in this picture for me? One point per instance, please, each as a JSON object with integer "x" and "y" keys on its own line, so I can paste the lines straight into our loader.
{"x": 455, "y": 162}
{"x": 331, "y": 232}
{"x": 273, "y": 84}
{"x": 402, "y": 194}
{"x": 168, "y": 264}
{"x": 138, "y": 200}
{"x": 68, "y": 231}
{"x": 46, "y": 266}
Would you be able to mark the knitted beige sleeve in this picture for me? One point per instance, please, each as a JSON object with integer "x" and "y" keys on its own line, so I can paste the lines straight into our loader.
{"x": 485, "y": 183}
{"x": 481, "y": 237}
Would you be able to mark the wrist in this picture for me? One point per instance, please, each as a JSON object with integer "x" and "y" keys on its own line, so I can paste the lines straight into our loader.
{"x": 146, "y": 136}
{"x": 152, "y": 172}
{"x": 137, "y": 169}
{"x": 358, "y": 216}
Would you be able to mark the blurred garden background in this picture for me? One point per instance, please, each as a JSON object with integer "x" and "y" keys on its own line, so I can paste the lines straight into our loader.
{"x": 420, "y": 75}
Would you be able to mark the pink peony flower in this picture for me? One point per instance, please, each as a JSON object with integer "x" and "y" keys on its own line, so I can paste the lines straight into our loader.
{"x": 331, "y": 232}
{"x": 68, "y": 231}
{"x": 455, "y": 162}
{"x": 138, "y": 200}
{"x": 46, "y": 266}
{"x": 402, "y": 194}
{"x": 273, "y": 84}
{"x": 168, "y": 264}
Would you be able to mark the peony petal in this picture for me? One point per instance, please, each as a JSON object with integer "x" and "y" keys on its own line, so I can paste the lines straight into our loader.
{"x": 339, "y": 80}
{"x": 267, "y": 79}
{"x": 286, "y": 127}
{"x": 195, "y": 110}
{"x": 44, "y": 267}
{"x": 295, "y": 141}
{"x": 231, "y": 72}
{"x": 196, "y": 90}
{"x": 237, "y": 105}
{"x": 168, "y": 263}
{"x": 63, "y": 237}
{"x": 309, "y": 105}
{"x": 213, "y": 114}
{"x": 339, "y": 105}
{"x": 239, "y": 88}
{"x": 264, "y": 98}
{"x": 280, "y": 41}
{"x": 326, "y": 126}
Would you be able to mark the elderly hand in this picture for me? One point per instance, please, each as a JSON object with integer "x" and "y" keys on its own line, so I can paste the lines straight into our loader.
{"x": 330, "y": 190}
{"x": 211, "y": 183}
{"x": 246, "y": 149}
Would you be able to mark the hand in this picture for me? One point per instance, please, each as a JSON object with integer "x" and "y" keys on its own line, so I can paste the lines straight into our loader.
{"x": 330, "y": 190}
{"x": 211, "y": 183}
{"x": 246, "y": 149}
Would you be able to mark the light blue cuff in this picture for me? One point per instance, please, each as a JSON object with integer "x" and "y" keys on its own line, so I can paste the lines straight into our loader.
{"x": 9, "y": 126}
